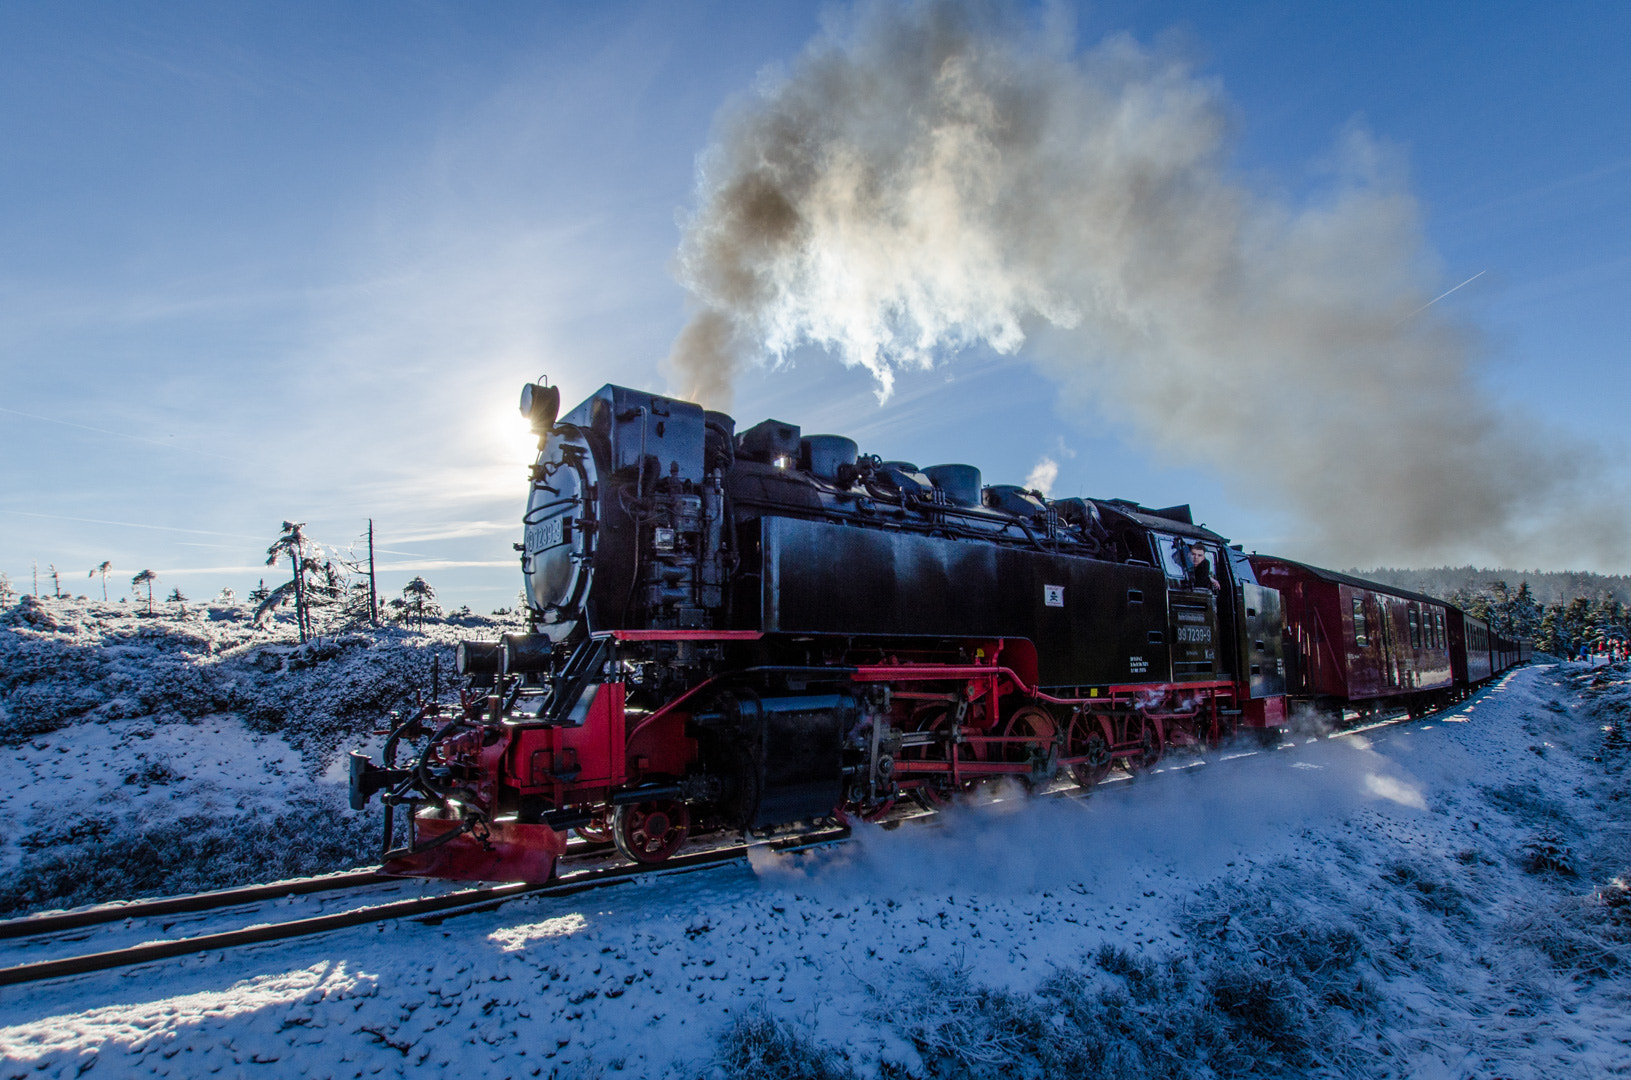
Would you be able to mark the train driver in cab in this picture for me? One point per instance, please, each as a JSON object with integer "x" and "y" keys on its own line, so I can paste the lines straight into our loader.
{"x": 1200, "y": 568}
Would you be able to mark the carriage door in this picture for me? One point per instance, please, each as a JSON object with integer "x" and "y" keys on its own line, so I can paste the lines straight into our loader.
{"x": 1192, "y": 583}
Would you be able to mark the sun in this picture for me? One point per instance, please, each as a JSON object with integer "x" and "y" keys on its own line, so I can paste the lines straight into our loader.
{"x": 506, "y": 437}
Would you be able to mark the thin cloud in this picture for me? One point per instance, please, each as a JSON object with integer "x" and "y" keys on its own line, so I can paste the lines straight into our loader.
{"x": 446, "y": 532}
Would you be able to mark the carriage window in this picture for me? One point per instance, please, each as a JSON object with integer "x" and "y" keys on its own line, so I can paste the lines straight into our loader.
{"x": 1360, "y": 637}
{"x": 1438, "y": 626}
{"x": 1415, "y": 627}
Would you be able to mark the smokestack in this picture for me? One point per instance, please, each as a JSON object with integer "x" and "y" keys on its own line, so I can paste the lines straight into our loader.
{"x": 932, "y": 177}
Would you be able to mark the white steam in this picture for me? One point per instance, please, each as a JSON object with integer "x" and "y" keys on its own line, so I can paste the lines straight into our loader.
{"x": 1042, "y": 476}
{"x": 937, "y": 176}
{"x": 1195, "y": 820}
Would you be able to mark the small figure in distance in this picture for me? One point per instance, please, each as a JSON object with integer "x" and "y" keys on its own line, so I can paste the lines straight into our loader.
{"x": 1200, "y": 568}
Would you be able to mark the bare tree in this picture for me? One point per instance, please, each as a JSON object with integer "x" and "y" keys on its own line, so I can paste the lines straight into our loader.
{"x": 56, "y": 582}
{"x": 7, "y": 593}
{"x": 103, "y": 570}
{"x": 146, "y": 577}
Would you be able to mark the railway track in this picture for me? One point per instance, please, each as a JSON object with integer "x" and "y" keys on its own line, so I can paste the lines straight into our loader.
{"x": 432, "y": 908}
{"x": 428, "y": 908}
{"x": 57, "y": 922}
{"x": 60, "y": 921}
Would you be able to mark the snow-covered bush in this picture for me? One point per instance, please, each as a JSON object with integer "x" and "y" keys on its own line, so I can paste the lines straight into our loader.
{"x": 60, "y": 663}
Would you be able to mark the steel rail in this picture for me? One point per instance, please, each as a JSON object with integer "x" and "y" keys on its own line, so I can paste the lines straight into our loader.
{"x": 462, "y": 902}
{"x": 57, "y": 921}
{"x": 54, "y": 922}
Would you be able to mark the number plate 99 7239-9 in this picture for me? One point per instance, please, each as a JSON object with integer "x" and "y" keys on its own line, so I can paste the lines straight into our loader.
{"x": 547, "y": 534}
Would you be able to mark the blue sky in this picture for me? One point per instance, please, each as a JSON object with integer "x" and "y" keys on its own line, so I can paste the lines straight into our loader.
{"x": 295, "y": 261}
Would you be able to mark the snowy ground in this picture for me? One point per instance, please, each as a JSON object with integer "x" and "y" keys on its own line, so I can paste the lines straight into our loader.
{"x": 1431, "y": 900}
{"x": 153, "y": 755}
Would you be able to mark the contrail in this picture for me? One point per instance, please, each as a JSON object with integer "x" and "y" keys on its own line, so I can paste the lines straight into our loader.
{"x": 130, "y": 524}
{"x": 1439, "y": 297}
{"x": 124, "y": 435}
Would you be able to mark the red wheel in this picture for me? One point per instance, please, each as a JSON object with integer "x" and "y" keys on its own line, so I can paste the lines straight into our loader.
{"x": 650, "y": 832}
{"x": 1151, "y": 747}
{"x": 1088, "y": 740}
{"x": 1036, "y": 725}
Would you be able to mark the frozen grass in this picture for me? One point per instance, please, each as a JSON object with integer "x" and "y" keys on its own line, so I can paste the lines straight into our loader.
{"x": 1436, "y": 894}
{"x": 96, "y": 860}
{"x": 760, "y": 1047}
{"x": 1262, "y": 991}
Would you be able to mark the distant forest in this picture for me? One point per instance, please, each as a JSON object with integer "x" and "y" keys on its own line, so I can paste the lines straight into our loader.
{"x": 1548, "y": 586}
{"x": 1559, "y": 610}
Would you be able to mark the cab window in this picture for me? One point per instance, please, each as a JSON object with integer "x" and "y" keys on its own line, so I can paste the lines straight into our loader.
{"x": 1172, "y": 555}
{"x": 1189, "y": 563}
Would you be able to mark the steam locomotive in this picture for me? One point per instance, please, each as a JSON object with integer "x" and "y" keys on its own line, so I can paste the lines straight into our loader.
{"x": 750, "y": 630}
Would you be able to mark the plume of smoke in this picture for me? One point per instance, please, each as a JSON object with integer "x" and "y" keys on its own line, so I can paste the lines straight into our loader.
{"x": 1042, "y": 476}
{"x": 938, "y": 176}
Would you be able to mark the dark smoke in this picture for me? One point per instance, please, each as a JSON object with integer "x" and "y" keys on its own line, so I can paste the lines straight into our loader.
{"x": 932, "y": 177}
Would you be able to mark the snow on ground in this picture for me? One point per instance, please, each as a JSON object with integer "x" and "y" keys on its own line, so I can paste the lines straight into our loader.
{"x": 145, "y": 755}
{"x": 1432, "y": 900}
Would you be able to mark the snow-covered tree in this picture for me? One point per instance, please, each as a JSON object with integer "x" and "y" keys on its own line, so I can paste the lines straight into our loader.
{"x": 56, "y": 582}
{"x": 7, "y": 593}
{"x": 146, "y": 577}
{"x": 1548, "y": 637}
{"x": 314, "y": 582}
{"x": 178, "y": 599}
{"x": 259, "y": 593}
{"x": 293, "y": 545}
{"x": 1576, "y": 623}
{"x": 419, "y": 601}
{"x": 1525, "y": 614}
{"x": 103, "y": 570}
